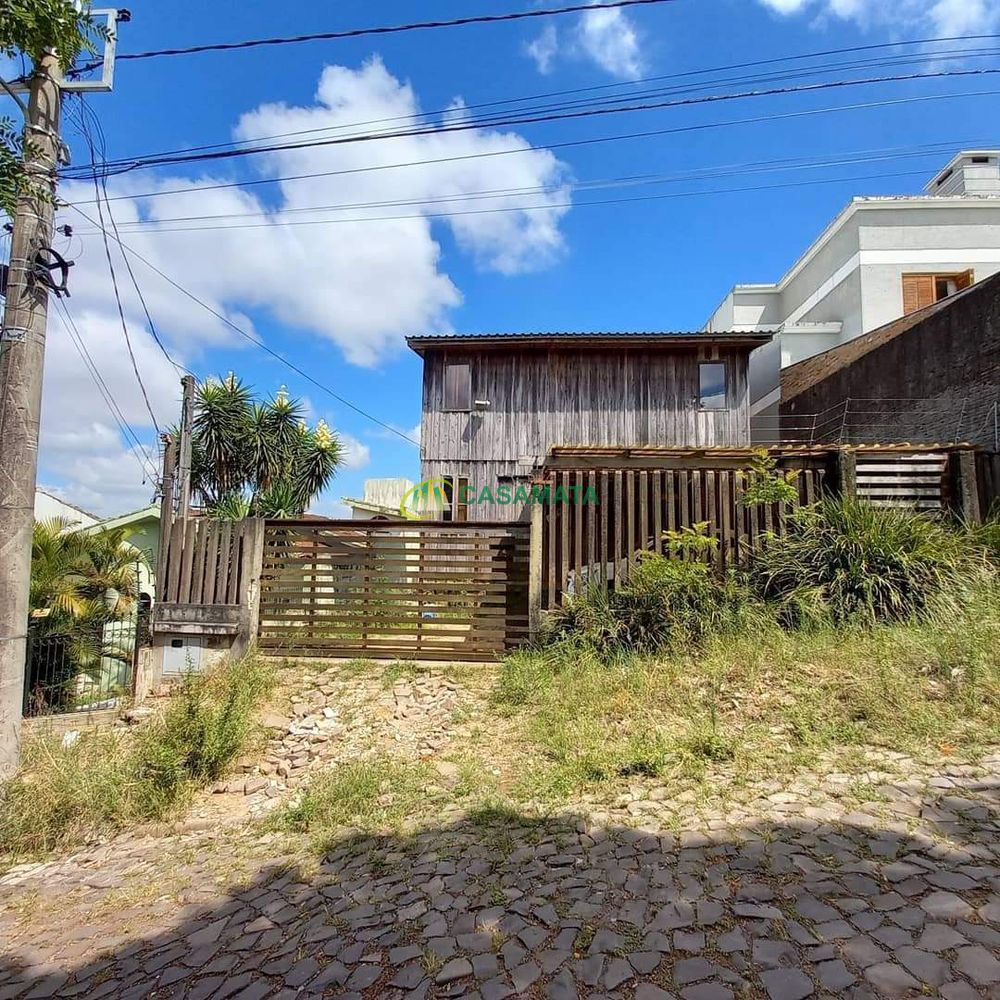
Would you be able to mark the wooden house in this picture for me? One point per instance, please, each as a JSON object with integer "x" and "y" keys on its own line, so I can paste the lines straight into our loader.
{"x": 493, "y": 405}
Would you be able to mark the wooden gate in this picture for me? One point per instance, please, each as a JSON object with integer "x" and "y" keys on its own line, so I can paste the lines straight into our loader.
{"x": 414, "y": 590}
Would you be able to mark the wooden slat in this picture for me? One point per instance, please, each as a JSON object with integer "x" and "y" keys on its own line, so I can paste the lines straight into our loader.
{"x": 191, "y": 536}
{"x": 657, "y": 511}
{"x": 576, "y": 513}
{"x": 630, "y": 527}
{"x": 604, "y": 521}
{"x": 619, "y": 516}
{"x": 225, "y": 541}
{"x": 207, "y": 594}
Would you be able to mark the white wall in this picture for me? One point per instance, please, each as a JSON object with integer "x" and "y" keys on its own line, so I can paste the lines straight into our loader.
{"x": 852, "y": 275}
{"x": 48, "y": 506}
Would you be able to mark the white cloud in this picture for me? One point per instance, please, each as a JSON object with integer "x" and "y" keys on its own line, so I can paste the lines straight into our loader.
{"x": 940, "y": 17}
{"x": 544, "y": 48}
{"x": 604, "y": 36}
{"x": 610, "y": 39}
{"x": 356, "y": 454}
{"x": 360, "y": 286}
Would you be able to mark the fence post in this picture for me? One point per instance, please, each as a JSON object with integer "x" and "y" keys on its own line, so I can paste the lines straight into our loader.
{"x": 963, "y": 470}
{"x": 251, "y": 564}
{"x": 847, "y": 472}
{"x": 535, "y": 570}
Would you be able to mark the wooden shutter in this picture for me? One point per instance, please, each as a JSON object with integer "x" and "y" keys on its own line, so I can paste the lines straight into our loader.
{"x": 964, "y": 280}
{"x": 457, "y": 386}
{"x": 918, "y": 292}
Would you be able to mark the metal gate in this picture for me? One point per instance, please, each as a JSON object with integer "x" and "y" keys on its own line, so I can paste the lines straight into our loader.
{"x": 81, "y": 672}
{"x": 412, "y": 590}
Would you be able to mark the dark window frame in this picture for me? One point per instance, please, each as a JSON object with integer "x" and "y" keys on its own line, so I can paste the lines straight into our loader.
{"x": 725, "y": 386}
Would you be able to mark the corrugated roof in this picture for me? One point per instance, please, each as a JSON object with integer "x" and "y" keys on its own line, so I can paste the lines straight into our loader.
{"x": 797, "y": 378}
{"x": 593, "y": 338}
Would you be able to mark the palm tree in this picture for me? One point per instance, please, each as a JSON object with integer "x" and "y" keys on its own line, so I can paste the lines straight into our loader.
{"x": 80, "y": 583}
{"x": 257, "y": 459}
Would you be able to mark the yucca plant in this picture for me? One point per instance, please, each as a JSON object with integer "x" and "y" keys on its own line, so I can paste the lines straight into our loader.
{"x": 858, "y": 563}
{"x": 253, "y": 458}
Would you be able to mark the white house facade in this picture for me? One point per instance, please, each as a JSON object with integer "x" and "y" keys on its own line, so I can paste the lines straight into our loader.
{"x": 881, "y": 258}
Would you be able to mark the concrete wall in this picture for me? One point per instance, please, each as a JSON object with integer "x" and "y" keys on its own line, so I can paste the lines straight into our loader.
{"x": 950, "y": 359}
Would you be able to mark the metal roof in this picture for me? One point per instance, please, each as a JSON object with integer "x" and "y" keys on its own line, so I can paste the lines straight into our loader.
{"x": 602, "y": 338}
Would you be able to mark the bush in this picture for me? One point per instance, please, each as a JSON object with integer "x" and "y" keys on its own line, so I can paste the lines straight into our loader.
{"x": 111, "y": 778}
{"x": 666, "y": 604}
{"x": 851, "y": 562}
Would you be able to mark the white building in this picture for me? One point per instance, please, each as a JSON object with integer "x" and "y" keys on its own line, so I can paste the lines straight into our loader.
{"x": 48, "y": 506}
{"x": 880, "y": 259}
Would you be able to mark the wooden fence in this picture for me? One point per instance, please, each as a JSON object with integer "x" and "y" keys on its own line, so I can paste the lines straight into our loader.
{"x": 416, "y": 590}
{"x": 581, "y": 542}
{"x": 207, "y": 562}
{"x": 988, "y": 480}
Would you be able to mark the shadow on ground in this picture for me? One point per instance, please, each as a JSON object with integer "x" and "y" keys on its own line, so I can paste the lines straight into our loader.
{"x": 900, "y": 899}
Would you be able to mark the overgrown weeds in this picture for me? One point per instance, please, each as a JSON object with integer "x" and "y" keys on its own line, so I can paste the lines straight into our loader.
{"x": 110, "y": 779}
{"x": 752, "y": 707}
{"x": 364, "y": 795}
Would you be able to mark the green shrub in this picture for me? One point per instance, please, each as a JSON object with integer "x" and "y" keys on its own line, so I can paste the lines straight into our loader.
{"x": 666, "y": 604}
{"x": 112, "y": 778}
{"x": 855, "y": 563}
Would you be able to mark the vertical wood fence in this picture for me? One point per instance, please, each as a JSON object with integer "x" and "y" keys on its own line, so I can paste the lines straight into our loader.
{"x": 417, "y": 590}
{"x": 598, "y": 542}
{"x": 207, "y": 562}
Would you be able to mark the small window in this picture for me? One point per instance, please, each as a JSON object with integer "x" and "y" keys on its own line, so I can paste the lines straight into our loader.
{"x": 922, "y": 290}
{"x": 712, "y": 385}
{"x": 458, "y": 386}
{"x": 456, "y": 499}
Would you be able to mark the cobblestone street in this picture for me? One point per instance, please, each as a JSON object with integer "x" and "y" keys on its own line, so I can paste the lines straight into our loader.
{"x": 899, "y": 896}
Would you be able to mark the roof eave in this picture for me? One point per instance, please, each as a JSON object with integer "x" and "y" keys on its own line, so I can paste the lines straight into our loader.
{"x": 748, "y": 340}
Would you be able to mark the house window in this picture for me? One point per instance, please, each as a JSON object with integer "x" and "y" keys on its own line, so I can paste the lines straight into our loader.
{"x": 458, "y": 386}
{"x": 922, "y": 290}
{"x": 712, "y": 385}
{"x": 456, "y": 497}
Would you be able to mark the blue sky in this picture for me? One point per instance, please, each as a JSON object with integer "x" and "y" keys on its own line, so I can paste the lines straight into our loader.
{"x": 336, "y": 299}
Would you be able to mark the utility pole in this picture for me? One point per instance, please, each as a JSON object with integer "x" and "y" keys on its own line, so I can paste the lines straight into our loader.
{"x": 184, "y": 465}
{"x": 166, "y": 510}
{"x": 22, "y": 353}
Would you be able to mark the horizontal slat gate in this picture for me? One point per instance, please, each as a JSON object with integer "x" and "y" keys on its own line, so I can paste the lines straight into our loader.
{"x": 898, "y": 479}
{"x": 419, "y": 590}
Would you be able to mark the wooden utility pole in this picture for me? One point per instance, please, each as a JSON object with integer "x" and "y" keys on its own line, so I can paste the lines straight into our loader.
{"x": 166, "y": 510}
{"x": 22, "y": 353}
{"x": 184, "y": 465}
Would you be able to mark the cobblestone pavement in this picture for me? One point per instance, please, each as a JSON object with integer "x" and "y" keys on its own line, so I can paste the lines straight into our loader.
{"x": 899, "y": 897}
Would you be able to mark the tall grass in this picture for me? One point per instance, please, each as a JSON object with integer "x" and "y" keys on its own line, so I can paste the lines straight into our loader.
{"x": 760, "y": 706}
{"x": 856, "y": 563}
{"x": 111, "y": 779}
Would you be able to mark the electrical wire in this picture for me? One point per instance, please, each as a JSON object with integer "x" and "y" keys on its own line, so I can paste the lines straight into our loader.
{"x": 783, "y": 74}
{"x": 85, "y": 109}
{"x": 88, "y": 137}
{"x": 464, "y": 126}
{"x": 565, "y": 144}
{"x": 156, "y": 230}
{"x": 733, "y": 170}
{"x": 253, "y": 340}
{"x": 126, "y": 429}
{"x": 325, "y": 36}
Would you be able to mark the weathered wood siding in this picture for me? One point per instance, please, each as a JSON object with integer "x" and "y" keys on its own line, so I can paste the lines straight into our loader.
{"x": 540, "y": 398}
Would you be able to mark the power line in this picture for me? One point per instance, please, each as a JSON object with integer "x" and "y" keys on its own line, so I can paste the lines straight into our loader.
{"x": 787, "y": 73}
{"x": 565, "y": 144}
{"x": 111, "y": 268}
{"x": 253, "y": 340}
{"x": 156, "y": 230}
{"x": 380, "y": 30}
{"x": 85, "y": 109}
{"x": 721, "y": 172}
{"x": 156, "y": 161}
{"x": 145, "y": 464}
